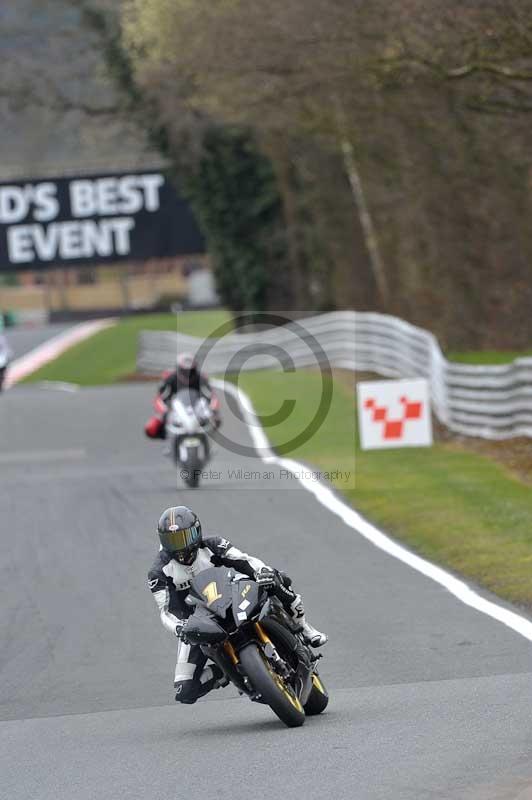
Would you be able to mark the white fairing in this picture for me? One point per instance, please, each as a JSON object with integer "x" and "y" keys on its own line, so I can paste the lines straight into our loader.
{"x": 187, "y": 419}
{"x": 188, "y": 423}
{"x": 181, "y": 418}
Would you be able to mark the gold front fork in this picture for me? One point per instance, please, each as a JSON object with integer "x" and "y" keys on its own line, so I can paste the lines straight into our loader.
{"x": 230, "y": 650}
{"x": 263, "y": 636}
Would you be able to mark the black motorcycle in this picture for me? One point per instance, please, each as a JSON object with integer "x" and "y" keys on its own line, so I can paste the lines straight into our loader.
{"x": 244, "y": 629}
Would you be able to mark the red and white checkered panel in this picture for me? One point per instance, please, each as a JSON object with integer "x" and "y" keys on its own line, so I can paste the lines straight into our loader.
{"x": 394, "y": 414}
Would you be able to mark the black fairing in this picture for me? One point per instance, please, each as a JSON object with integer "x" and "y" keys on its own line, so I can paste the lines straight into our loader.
{"x": 214, "y": 592}
{"x": 213, "y": 589}
{"x": 203, "y": 628}
{"x": 246, "y": 595}
{"x": 220, "y": 602}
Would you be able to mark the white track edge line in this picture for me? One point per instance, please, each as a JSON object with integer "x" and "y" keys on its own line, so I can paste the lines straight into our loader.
{"x": 52, "y": 348}
{"x": 354, "y": 520}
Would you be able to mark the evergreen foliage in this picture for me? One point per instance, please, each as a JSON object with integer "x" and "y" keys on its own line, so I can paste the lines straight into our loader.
{"x": 230, "y": 185}
{"x": 234, "y": 194}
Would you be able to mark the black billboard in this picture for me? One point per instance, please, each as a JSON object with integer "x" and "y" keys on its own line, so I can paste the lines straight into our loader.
{"x": 66, "y": 222}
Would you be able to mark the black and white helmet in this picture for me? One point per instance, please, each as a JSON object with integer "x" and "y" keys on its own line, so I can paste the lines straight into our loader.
{"x": 179, "y": 532}
{"x": 187, "y": 367}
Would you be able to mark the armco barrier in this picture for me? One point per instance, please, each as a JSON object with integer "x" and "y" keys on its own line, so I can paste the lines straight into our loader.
{"x": 492, "y": 402}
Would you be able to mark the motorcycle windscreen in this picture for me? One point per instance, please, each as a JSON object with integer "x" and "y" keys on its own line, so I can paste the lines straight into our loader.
{"x": 188, "y": 397}
{"x": 245, "y": 600}
{"x": 213, "y": 588}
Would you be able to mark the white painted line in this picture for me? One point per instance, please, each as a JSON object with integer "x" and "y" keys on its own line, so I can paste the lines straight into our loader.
{"x": 354, "y": 520}
{"x": 53, "y": 348}
{"x": 32, "y": 456}
{"x": 59, "y": 386}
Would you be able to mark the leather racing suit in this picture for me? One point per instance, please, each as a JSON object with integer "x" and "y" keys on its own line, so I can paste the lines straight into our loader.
{"x": 173, "y": 383}
{"x": 169, "y": 581}
{"x": 196, "y": 381}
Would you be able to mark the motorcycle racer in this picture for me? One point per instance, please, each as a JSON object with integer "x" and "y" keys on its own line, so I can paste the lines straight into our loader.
{"x": 183, "y": 554}
{"x": 186, "y": 376}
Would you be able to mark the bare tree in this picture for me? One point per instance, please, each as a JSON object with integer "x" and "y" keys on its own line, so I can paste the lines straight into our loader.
{"x": 426, "y": 105}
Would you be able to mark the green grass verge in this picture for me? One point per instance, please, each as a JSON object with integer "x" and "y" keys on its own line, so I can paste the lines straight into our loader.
{"x": 489, "y": 356}
{"x": 455, "y": 507}
{"x": 110, "y": 355}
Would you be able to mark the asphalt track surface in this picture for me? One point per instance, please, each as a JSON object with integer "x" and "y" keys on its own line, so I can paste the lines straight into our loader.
{"x": 23, "y": 340}
{"x": 429, "y": 698}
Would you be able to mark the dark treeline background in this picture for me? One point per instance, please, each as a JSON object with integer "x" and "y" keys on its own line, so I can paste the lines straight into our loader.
{"x": 341, "y": 154}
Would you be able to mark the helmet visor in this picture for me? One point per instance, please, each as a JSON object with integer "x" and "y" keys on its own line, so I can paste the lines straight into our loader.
{"x": 179, "y": 540}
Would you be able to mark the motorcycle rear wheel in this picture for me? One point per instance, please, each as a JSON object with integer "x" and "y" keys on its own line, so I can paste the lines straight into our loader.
{"x": 318, "y": 699}
{"x": 275, "y": 692}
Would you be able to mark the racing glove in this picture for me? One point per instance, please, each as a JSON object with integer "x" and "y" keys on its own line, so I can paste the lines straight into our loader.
{"x": 179, "y": 632}
{"x": 265, "y": 576}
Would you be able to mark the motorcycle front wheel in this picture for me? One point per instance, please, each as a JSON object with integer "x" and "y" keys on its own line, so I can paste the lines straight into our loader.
{"x": 271, "y": 686}
{"x": 284, "y": 640}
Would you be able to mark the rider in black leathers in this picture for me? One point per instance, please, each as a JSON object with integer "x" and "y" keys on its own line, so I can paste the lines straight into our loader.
{"x": 188, "y": 376}
{"x": 185, "y": 376}
{"x": 183, "y": 554}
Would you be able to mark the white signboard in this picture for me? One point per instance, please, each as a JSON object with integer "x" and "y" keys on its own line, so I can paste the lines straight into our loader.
{"x": 394, "y": 414}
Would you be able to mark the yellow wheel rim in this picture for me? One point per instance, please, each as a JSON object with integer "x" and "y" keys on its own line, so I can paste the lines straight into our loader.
{"x": 288, "y": 693}
{"x": 318, "y": 684}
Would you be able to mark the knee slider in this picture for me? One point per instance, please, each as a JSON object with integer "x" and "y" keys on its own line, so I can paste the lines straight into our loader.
{"x": 186, "y": 692}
